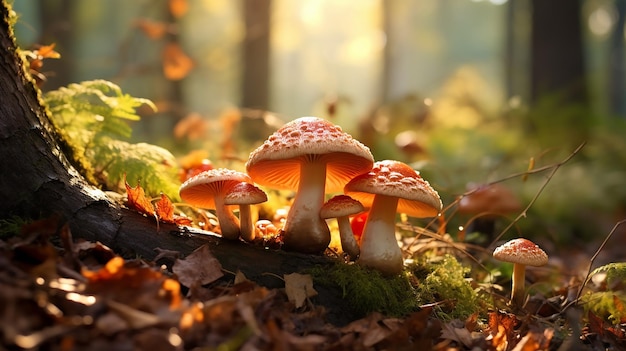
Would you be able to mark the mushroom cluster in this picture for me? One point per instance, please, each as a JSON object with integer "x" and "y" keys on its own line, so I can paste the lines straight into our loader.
{"x": 314, "y": 157}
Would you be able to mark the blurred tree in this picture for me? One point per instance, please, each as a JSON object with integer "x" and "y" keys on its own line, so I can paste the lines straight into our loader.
{"x": 557, "y": 62}
{"x": 256, "y": 48}
{"x": 616, "y": 62}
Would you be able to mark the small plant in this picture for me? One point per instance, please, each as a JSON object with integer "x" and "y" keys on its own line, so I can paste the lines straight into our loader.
{"x": 92, "y": 117}
{"x": 609, "y": 301}
{"x": 443, "y": 281}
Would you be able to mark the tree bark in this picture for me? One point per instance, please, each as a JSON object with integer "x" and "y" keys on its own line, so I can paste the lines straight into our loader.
{"x": 38, "y": 180}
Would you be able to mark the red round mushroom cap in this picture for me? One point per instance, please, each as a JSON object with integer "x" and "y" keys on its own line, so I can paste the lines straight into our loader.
{"x": 245, "y": 193}
{"x": 394, "y": 178}
{"x": 341, "y": 206}
{"x": 200, "y": 190}
{"x": 493, "y": 198}
{"x": 276, "y": 163}
{"x": 522, "y": 251}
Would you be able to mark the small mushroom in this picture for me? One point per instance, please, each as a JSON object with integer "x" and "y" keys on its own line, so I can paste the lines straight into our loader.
{"x": 521, "y": 252}
{"x": 341, "y": 207}
{"x": 208, "y": 190}
{"x": 390, "y": 187}
{"x": 245, "y": 194}
{"x": 487, "y": 202}
{"x": 313, "y": 157}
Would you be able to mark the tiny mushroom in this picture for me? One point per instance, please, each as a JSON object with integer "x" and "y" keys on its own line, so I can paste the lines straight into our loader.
{"x": 521, "y": 252}
{"x": 208, "y": 190}
{"x": 313, "y": 157}
{"x": 245, "y": 194}
{"x": 340, "y": 207}
{"x": 390, "y": 187}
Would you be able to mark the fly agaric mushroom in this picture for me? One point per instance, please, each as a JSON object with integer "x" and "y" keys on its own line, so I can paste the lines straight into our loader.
{"x": 208, "y": 190}
{"x": 245, "y": 194}
{"x": 340, "y": 207}
{"x": 313, "y": 157}
{"x": 521, "y": 252}
{"x": 390, "y": 187}
{"x": 489, "y": 202}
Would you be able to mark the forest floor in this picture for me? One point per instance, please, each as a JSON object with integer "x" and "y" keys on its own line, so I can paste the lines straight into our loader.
{"x": 65, "y": 294}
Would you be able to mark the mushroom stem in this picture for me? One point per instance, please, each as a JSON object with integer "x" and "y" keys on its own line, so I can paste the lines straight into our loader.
{"x": 229, "y": 224}
{"x": 517, "y": 288}
{"x": 304, "y": 230}
{"x": 245, "y": 223}
{"x": 379, "y": 248}
{"x": 348, "y": 242}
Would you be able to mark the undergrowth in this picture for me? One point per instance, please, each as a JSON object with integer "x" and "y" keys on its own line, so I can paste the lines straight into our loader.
{"x": 441, "y": 283}
{"x": 92, "y": 118}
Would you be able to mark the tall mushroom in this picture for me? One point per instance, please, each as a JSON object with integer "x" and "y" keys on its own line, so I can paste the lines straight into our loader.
{"x": 245, "y": 194}
{"x": 208, "y": 189}
{"x": 390, "y": 187}
{"x": 521, "y": 252}
{"x": 340, "y": 207}
{"x": 313, "y": 157}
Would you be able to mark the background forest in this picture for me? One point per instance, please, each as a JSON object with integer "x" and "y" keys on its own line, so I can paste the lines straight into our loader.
{"x": 468, "y": 92}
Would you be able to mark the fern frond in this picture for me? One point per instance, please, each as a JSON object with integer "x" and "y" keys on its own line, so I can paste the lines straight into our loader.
{"x": 154, "y": 166}
{"x": 615, "y": 272}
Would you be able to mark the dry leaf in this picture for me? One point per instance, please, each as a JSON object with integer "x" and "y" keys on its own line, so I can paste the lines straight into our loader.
{"x": 165, "y": 212}
{"x": 200, "y": 268}
{"x": 176, "y": 64}
{"x": 137, "y": 199}
{"x": 299, "y": 287}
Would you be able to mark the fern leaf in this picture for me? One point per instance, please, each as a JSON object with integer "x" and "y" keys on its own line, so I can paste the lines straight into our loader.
{"x": 615, "y": 272}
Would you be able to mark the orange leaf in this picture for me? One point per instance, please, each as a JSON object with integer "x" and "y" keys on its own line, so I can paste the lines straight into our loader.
{"x": 165, "y": 209}
{"x": 176, "y": 64}
{"x": 47, "y": 51}
{"x": 137, "y": 199}
{"x": 165, "y": 212}
{"x": 178, "y": 8}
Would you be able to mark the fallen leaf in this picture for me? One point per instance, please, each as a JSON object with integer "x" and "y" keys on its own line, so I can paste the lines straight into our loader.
{"x": 299, "y": 287}
{"x": 200, "y": 268}
{"x": 165, "y": 212}
{"x": 137, "y": 199}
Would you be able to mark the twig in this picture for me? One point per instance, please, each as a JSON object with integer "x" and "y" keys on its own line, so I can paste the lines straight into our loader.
{"x": 595, "y": 255}
{"x": 554, "y": 167}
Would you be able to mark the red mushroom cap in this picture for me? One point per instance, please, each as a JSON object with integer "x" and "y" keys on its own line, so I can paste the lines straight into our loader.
{"x": 200, "y": 190}
{"x": 340, "y": 206}
{"x": 276, "y": 163}
{"x": 245, "y": 194}
{"x": 521, "y": 251}
{"x": 493, "y": 198}
{"x": 394, "y": 178}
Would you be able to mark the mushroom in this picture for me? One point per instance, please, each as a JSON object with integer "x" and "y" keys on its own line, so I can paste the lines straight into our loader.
{"x": 390, "y": 187}
{"x": 340, "y": 207}
{"x": 245, "y": 194}
{"x": 487, "y": 201}
{"x": 521, "y": 252}
{"x": 208, "y": 190}
{"x": 313, "y": 157}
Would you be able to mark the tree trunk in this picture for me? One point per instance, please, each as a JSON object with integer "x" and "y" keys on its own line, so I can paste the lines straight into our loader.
{"x": 256, "y": 54}
{"x": 38, "y": 180}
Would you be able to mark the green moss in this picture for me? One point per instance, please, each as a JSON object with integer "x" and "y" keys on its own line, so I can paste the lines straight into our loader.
{"x": 10, "y": 227}
{"x": 443, "y": 282}
{"x": 440, "y": 282}
{"x": 367, "y": 291}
